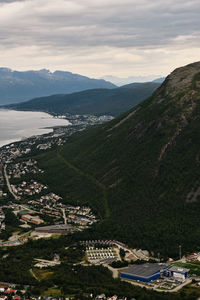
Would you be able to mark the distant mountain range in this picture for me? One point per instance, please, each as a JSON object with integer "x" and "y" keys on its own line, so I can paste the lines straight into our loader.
{"x": 159, "y": 80}
{"x": 119, "y": 81}
{"x": 95, "y": 102}
{"x": 18, "y": 86}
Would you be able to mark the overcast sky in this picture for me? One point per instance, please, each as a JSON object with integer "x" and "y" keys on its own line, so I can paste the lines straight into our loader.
{"x": 100, "y": 37}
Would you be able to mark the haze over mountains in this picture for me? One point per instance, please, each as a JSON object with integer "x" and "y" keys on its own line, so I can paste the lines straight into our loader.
{"x": 119, "y": 81}
{"x": 18, "y": 86}
{"x": 139, "y": 172}
{"x": 95, "y": 102}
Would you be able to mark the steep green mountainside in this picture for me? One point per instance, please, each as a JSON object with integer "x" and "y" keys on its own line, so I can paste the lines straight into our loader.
{"x": 141, "y": 171}
{"x": 96, "y": 102}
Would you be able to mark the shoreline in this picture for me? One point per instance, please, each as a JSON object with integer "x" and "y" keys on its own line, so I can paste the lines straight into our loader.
{"x": 40, "y": 131}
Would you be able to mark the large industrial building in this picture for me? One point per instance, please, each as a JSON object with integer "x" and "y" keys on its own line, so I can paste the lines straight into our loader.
{"x": 179, "y": 273}
{"x": 59, "y": 229}
{"x": 148, "y": 272}
{"x": 145, "y": 272}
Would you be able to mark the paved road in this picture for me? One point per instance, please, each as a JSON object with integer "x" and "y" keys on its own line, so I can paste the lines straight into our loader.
{"x": 8, "y": 184}
{"x": 156, "y": 289}
{"x": 189, "y": 280}
{"x": 64, "y": 215}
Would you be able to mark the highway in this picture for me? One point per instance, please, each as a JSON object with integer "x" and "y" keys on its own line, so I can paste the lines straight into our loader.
{"x": 64, "y": 216}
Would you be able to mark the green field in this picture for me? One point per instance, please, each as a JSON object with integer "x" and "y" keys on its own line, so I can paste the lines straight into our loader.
{"x": 42, "y": 274}
{"x": 53, "y": 292}
{"x": 193, "y": 266}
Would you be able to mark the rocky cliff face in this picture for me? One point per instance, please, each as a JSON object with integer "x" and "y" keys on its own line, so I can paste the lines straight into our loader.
{"x": 182, "y": 90}
{"x": 180, "y": 80}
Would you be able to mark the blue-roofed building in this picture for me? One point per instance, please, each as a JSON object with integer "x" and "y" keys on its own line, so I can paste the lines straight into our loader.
{"x": 144, "y": 272}
{"x": 179, "y": 273}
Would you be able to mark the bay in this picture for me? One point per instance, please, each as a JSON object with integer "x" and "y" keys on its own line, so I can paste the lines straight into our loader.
{"x": 17, "y": 125}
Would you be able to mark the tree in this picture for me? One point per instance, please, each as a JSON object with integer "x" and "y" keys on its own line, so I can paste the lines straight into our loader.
{"x": 122, "y": 253}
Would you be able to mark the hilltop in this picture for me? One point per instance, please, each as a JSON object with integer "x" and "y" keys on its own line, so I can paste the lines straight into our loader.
{"x": 95, "y": 102}
{"x": 139, "y": 172}
{"x": 16, "y": 86}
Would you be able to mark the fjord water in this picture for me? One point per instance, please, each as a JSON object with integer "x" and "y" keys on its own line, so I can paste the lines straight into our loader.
{"x": 16, "y": 125}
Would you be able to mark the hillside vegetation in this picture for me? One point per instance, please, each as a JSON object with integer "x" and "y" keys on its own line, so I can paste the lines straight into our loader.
{"x": 95, "y": 102}
{"x": 141, "y": 171}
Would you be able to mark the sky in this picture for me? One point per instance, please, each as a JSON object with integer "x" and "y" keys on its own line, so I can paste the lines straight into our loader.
{"x": 100, "y": 37}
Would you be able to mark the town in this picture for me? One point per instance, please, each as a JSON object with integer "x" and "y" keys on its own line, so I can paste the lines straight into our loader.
{"x": 37, "y": 212}
{"x": 32, "y": 202}
{"x": 44, "y": 208}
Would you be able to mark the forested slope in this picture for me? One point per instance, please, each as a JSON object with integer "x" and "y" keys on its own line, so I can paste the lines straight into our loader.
{"x": 140, "y": 172}
{"x": 96, "y": 102}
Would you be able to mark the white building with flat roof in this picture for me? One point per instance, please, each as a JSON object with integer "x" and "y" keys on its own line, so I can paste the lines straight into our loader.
{"x": 179, "y": 273}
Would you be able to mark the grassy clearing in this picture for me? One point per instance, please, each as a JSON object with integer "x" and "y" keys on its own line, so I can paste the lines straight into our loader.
{"x": 194, "y": 267}
{"x": 53, "y": 292}
{"x": 42, "y": 274}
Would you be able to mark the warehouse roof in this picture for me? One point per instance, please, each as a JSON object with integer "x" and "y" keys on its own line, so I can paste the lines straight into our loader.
{"x": 179, "y": 270}
{"x": 59, "y": 226}
{"x": 144, "y": 270}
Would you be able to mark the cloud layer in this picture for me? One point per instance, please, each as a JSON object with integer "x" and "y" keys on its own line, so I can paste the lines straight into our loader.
{"x": 92, "y": 37}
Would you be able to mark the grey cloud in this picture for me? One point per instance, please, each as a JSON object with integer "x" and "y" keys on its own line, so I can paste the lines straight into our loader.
{"x": 119, "y": 24}
{"x": 99, "y": 32}
{"x": 9, "y": 1}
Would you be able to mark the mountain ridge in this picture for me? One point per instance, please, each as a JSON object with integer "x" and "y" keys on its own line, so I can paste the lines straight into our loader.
{"x": 140, "y": 172}
{"x": 16, "y": 86}
{"x": 96, "y": 102}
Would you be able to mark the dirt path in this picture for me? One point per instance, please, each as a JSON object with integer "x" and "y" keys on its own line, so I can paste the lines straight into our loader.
{"x": 114, "y": 271}
{"x": 90, "y": 177}
{"x": 33, "y": 274}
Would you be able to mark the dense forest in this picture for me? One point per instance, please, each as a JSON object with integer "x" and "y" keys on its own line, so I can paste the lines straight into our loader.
{"x": 96, "y": 102}
{"x": 139, "y": 172}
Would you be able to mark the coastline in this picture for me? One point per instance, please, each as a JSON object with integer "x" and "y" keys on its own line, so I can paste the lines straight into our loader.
{"x": 27, "y": 125}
